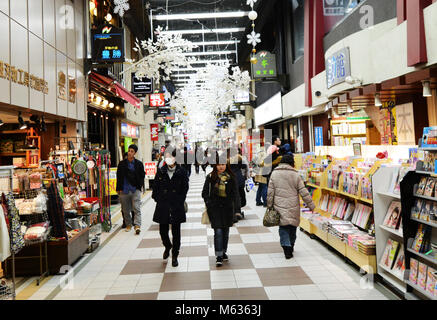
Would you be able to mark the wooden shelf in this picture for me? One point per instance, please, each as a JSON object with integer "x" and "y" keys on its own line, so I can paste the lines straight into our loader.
{"x": 427, "y": 258}
{"x": 419, "y": 289}
{"x": 13, "y": 154}
{"x": 313, "y": 185}
{"x": 434, "y": 225}
{"x": 392, "y": 231}
{"x": 25, "y": 131}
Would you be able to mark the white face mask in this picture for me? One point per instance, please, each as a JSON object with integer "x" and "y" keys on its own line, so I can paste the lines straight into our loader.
{"x": 170, "y": 161}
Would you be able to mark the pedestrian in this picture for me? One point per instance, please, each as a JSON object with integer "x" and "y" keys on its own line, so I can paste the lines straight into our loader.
{"x": 169, "y": 192}
{"x": 220, "y": 193}
{"x": 196, "y": 161}
{"x": 286, "y": 150}
{"x": 130, "y": 183}
{"x": 187, "y": 161}
{"x": 239, "y": 169}
{"x": 270, "y": 163}
{"x": 283, "y": 195}
{"x": 123, "y": 226}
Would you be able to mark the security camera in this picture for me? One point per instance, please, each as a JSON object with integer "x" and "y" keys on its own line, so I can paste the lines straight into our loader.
{"x": 318, "y": 94}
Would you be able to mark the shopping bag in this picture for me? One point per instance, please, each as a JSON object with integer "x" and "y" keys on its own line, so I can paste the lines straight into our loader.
{"x": 260, "y": 179}
{"x": 205, "y": 218}
{"x": 271, "y": 218}
{"x": 249, "y": 184}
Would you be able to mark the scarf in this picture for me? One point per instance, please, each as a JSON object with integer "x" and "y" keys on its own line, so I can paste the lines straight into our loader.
{"x": 223, "y": 178}
{"x": 171, "y": 171}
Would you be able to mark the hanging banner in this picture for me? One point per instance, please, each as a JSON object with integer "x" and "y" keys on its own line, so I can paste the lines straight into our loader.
{"x": 338, "y": 67}
{"x": 405, "y": 124}
{"x": 154, "y": 132}
{"x": 157, "y": 100}
{"x": 150, "y": 169}
{"x": 112, "y": 182}
{"x": 318, "y": 136}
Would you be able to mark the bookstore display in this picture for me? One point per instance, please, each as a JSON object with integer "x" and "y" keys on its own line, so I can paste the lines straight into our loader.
{"x": 348, "y": 132}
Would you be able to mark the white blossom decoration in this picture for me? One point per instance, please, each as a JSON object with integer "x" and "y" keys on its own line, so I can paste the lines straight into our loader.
{"x": 251, "y": 2}
{"x": 253, "y": 38}
{"x": 121, "y": 6}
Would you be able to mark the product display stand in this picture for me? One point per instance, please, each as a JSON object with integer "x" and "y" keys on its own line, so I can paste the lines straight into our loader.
{"x": 410, "y": 226}
{"x": 382, "y": 198}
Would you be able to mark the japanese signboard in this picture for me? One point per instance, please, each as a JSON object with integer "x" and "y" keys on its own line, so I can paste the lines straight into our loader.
{"x": 128, "y": 130}
{"x": 318, "y": 136}
{"x": 141, "y": 86}
{"x": 265, "y": 66}
{"x": 154, "y": 131}
{"x": 150, "y": 169}
{"x": 112, "y": 182}
{"x": 157, "y": 100}
{"x": 164, "y": 111}
{"x": 338, "y": 67}
{"x": 108, "y": 44}
{"x": 334, "y": 7}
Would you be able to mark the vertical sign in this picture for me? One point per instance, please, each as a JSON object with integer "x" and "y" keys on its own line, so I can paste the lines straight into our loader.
{"x": 150, "y": 169}
{"x": 154, "y": 130}
{"x": 318, "y": 136}
{"x": 265, "y": 66}
{"x": 338, "y": 67}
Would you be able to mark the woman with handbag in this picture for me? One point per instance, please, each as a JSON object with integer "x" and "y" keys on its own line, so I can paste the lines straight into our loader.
{"x": 170, "y": 190}
{"x": 284, "y": 189}
{"x": 221, "y": 196}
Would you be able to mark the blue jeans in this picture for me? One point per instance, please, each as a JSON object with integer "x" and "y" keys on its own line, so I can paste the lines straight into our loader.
{"x": 287, "y": 235}
{"x": 221, "y": 239}
{"x": 261, "y": 193}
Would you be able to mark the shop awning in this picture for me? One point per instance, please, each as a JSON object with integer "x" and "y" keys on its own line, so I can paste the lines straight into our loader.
{"x": 116, "y": 88}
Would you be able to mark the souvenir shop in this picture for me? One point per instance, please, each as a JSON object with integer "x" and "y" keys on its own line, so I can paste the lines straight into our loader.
{"x": 52, "y": 211}
{"x": 374, "y": 185}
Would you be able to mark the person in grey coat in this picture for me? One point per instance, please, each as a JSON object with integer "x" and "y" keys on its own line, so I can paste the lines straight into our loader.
{"x": 283, "y": 195}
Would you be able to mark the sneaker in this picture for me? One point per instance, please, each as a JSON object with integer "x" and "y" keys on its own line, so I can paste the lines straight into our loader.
{"x": 166, "y": 253}
{"x": 128, "y": 228}
{"x": 219, "y": 261}
{"x": 137, "y": 229}
{"x": 225, "y": 257}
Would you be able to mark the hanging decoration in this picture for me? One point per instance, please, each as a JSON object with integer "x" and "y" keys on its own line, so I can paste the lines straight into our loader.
{"x": 121, "y": 6}
{"x": 163, "y": 55}
{"x": 253, "y": 38}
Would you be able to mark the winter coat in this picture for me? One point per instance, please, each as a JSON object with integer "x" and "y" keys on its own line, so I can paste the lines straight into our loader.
{"x": 221, "y": 210}
{"x": 283, "y": 192}
{"x": 122, "y": 172}
{"x": 170, "y": 195}
{"x": 238, "y": 166}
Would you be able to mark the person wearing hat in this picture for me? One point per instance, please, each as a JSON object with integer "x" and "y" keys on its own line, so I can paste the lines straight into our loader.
{"x": 285, "y": 187}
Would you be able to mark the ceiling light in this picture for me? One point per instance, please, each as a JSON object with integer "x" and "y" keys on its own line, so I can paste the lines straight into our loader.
{"x": 108, "y": 17}
{"x": 209, "y": 53}
{"x": 206, "y": 15}
{"x": 23, "y": 125}
{"x": 200, "y": 31}
{"x": 349, "y": 109}
{"x": 117, "y": 108}
{"x": 427, "y": 89}
{"x": 111, "y": 105}
{"x": 105, "y": 103}
{"x": 98, "y": 99}
{"x": 1, "y": 123}
{"x": 378, "y": 102}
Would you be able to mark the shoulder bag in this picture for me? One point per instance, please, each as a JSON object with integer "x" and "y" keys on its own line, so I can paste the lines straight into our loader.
{"x": 205, "y": 217}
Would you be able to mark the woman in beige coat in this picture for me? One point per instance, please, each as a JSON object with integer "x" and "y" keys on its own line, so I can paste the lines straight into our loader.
{"x": 284, "y": 189}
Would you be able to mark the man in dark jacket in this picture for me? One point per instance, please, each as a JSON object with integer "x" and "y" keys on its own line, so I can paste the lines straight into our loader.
{"x": 130, "y": 182}
{"x": 170, "y": 191}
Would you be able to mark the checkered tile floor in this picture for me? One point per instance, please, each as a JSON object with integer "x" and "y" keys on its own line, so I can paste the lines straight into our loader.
{"x": 131, "y": 267}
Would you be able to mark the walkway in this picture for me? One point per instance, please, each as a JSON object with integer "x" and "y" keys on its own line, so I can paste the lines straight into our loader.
{"x": 131, "y": 267}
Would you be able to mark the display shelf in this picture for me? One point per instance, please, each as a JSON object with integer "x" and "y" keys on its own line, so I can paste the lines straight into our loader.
{"x": 321, "y": 234}
{"x": 13, "y": 154}
{"x": 427, "y": 149}
{"x": 434, "y": 225}
{"x": 306, "y": 225}
{"x": 394, "y": 282}
{"x": 349, "y": 134}
{"x": 426, "y": 172}
{"x": 392, "y": 231}
{"x": 425, "y": 197}
{"x": 313, "y": 185}
{"x": 419, "y": 289}
{"x": 365, "y": 262}
{"x": 389, "y": 194}
{"x": 337, "y": 244}
{"x": 425, "y": 257}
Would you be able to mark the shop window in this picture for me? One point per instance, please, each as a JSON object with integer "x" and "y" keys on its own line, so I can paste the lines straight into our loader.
{"x": 336, "y": 10}
{"x": 298, "y": 21}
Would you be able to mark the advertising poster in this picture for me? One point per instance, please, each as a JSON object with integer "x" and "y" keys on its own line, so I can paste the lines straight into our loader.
{"x": 150, "y": 168}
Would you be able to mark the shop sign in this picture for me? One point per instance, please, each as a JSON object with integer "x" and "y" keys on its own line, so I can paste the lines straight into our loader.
{"x": 405, "y": 124}
{"x": 127, "y": 143}
{"x": 157, "y": 100}
{"x": 150, "y": 169}
{"x": 141, "y": 86}
{"x": 242, "y": 96}
{"x": 318, "y": 134}
{"x": 129, "y": 130}
{"x": 154, "y": 132}
{"x": 338, "y": 67}
{"x": 62, "y": 91}
{"x": 112, "y": 182}
{"x": 108, "y": 44}
{"x": 333, "y": 7}
{"x": 164, "y": 111}
{"x": 265, "y": 66}
{"x": 21, "y": 77}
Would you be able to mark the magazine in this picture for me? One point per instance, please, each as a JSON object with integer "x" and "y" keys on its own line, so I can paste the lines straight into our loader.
{"x": 390, "y": 251}
{"x": 431, "y": 281}
{"x": 399, "y": 265}
{"x": 415, "y": 211}
{"x": 429, "y": 189}
{"x": 413, "y": 270}
{"x": 421, "y": 187}
{"x": 402, "y": 172}
{"x": 421, "y": 275}
{"x": 393, "y": 215}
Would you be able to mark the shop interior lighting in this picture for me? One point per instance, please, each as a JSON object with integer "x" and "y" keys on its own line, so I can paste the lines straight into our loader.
{"x": 111, "y": 105}
{"x": 349, "y": 109}
{"x": 23, "y": 125}
{"x": 378, "y": 102}
{"x": 117, "y": 108}
{"x": 206, "y": 15}
{"x": 108, "y": 17}
{"x": 427, "y": 89}
{"x": 1, "y": 122}
{"x": 105, "y": 103}
{"x": 200, "y": 31}
{"x": 98, "y": 99}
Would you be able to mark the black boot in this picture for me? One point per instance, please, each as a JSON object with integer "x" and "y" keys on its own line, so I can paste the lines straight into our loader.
{"x": 166, "y": 253}
{"x": 174, "y": 258}
{"x": 288, "y": 252}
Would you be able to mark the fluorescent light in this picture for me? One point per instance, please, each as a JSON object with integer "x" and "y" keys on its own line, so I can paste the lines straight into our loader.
{"x": 378, "y": 102}
{"x": 215, "y": 43}
{"x": 427, "y": 89}
{"x": 205, "y": 15}
{"x": 209, "y": 53}
{"x": 200, "y": 31}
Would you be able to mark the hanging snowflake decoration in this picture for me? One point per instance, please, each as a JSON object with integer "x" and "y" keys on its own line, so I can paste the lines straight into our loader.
{"x": 121, "y": 6}
{"x": 253, "y": 38}
{"x": 251, "y": 2}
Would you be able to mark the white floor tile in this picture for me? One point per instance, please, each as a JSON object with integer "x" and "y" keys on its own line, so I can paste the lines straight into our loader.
{"x": 198, "y": 294}
{"x": 305, "y": 288}
{"x": 248, "y": 283}
{"x": 222, "y": 275}
{"x": 224, "y": 284}
{"x": 310, "y": 296}
{"x": 171, "y": 295}
{"x": 116, "y": 291}
{"x": 338, "y": 294}
{"x": 325, "y": 287}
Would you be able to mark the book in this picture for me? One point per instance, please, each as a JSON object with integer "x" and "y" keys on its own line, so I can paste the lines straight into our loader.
{"x": 390, "y": 252}
{"x": 418, "y": 240}
{"x": 414, "y": 264}
{"x": 399, "y": 265}
{"x": 393, "y": 215}
{"x": 426, "y": 210}
{"x": 431, "y": 281}
{"x": 402, "y": 172}
{"x": 417, "y": 208}
{"x": 421, "y": 187}
{"x": 429, "y": 189}
{"x": 349, "y": 211}
{"x": 421, "y": 275}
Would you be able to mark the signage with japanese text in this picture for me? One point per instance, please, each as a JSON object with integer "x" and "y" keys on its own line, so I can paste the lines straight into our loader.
{"x": 21, "y": 77}
{"x": 334, "y": 7}
{"x": 150, "y": 169}
{"x": 141, "y": 86}
{"x": 164, "y": 111}
{"x": 318, "y": 135}
{"x": 108, "y": 44}
{"x": 128, "y": 130}
{"x": 154, "y": 132}
{"x": 265, "y": 66}
{"x": 338, "y": 67}
{"x": 157, "y": 100}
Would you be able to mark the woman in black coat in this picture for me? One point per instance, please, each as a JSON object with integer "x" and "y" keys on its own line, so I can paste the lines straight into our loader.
{"x": 170, "y": 189}
{"x": 220, "y": 193}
